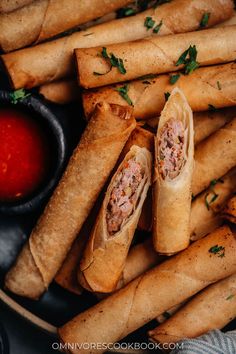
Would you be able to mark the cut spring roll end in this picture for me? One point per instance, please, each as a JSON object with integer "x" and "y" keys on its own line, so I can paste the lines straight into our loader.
{"x": 107, "y": 250}
{"x": 174, "y": 149}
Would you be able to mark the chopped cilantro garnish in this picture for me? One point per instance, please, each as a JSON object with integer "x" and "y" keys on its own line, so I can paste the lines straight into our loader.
{"x": 125, "y": 12}
{"x": 123, "y": 91}
{"x": 157, "y": 27}
{"x": 189, "y": 59}
{"x": 204, "y": 20}
{"x": 174, "y": 78}
{"x": 149, "y": 23}
{"x": 219, "y": 250}
{"x": 114, "y": 62}
{"x": 18, "y": 96}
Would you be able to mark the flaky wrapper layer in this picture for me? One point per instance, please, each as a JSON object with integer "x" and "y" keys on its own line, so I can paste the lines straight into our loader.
{"x": 172, "y": 197}
{"x": 54, "y": 60}
{"x": 105, "y": 255}
{"x": 153, "y": 293}
{"x": 71, "y": 202}
{"x": 213, "y": 308}
{"x": 206, "y": 207}
{"x": 214, "y": 157}
{"x": 159, "y": 53}
{"x": 148, "y": 96}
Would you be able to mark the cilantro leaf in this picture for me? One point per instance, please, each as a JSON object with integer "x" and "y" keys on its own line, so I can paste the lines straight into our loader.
{"x": 205, "y": 19}
{"x": 18, "y": 96}
{"x": 189, "y": 59}
{"x": 123, "y": 91}
{"x": 218, "y": 250}
{"x": 157, "y": 27}
{"x": 114, "y": 62}
{"x": 149, "y": 23}
{"x": 174, "y": 78}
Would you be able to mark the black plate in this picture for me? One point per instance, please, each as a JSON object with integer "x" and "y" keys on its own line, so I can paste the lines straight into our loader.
{"x": 57, "y": 305}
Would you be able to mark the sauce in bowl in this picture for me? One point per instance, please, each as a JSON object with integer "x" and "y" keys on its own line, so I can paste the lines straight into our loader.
{"x": 24, "y": 155}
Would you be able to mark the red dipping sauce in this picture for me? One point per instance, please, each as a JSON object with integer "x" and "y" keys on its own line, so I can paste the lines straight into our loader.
{"x": 24, "y": 152}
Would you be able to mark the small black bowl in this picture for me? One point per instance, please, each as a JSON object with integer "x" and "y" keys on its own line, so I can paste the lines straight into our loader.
{"x": 4, "y": 344}
{"x": 34, "y": 106}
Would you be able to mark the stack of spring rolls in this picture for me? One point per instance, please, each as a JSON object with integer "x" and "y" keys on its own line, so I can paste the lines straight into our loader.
{"x": 158, "y": 155}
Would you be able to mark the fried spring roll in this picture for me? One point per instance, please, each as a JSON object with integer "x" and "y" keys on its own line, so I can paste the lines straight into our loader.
{"x": 206, "y": 207}
{"x": 160, "y": 55}
{"x": 229, "y": 22}
{"x": 167, "y": 314}
{"x": 71, "y": 202}
{"x": 12, "y": 5}
{"x": 214, "y": 157}
{"x": 205, "y": 123}
{"x": 46, "y": 18}
{"x": 60, "y": 92}
{"x": 141, "y": 258}
{"x": 229, "y": 211}
{"x": 174, "y": 150}
{"x": 107, "y": 249}
{"x": 148, "y": 96}
{"x": 152, "y": 293}
{"x": 212, "y": 309}
{"x": 54, "y": 60}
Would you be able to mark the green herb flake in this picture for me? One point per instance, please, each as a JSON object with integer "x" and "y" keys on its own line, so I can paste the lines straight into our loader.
{"x": 219, "y": 85}
{"x": 174, "y": 78}
{"x": 167, "y": 95}
{"x": 149, "y": 23}
{"x": 125, "y": 12}
{"x": 217, "y": 250}
{"x": 157, "y": 27}
{"x": 204, "y": 20}
{"x": 18, "y": 96}
{"x": 189, "y": 59}
{"x": 230, "y": 297}
{"x": 123, "y": 91}
{"x": 114, "y": 62}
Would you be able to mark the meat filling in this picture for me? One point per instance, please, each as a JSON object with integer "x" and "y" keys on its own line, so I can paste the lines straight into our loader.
{"x": 171, "y": 149}
{"x": 123, "y": 196}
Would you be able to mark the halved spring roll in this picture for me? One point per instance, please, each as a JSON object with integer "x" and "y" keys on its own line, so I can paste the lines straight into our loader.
{"x": 174, "y": 148}
{"x": 205, "y": 123}
{"x": 106, "y": 252}
{"x": 213, "y": 308}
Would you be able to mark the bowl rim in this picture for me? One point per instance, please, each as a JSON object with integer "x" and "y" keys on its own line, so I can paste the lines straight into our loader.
{"x": 35, "y": 104}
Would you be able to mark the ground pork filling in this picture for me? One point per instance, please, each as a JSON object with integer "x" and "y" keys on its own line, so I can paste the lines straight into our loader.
{"x": 171, "y": 149}
{"x": 123, "y": 196}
